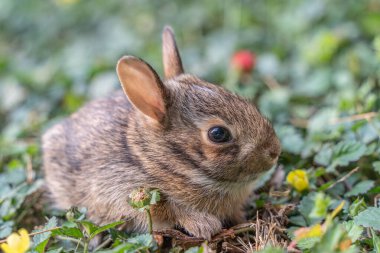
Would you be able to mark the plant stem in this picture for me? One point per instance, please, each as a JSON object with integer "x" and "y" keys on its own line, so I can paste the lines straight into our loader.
{"x": 150, "y": 224}
{"x": 85, "y": 246}
{"x": 103, "y": 244}
{"x": 70, "y": 239}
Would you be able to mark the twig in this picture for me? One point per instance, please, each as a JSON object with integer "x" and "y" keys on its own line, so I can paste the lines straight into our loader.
{"x": 257, "y": 231}
{"x": 229, "y": 233}
{"x": 247, "y": 246}
{"x": 303, "y": 123}
{"x": 367, "y": 116}
{"x": 36, "y": 233}
{"x": 279, "y": 194}
{"x": 343, "y": 178}
{"x": 272, "y": 226}
{"x": 29, "y": 169}
{"x": 271, "y": 82}
{"x": 44, "y": 231}
{"x": 228, "y": 247}
{"x": 243, "y": 230}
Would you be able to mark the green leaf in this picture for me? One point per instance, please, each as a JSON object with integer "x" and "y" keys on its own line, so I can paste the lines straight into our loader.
{"x": 317, "y": 122}
{"x": 88, "y": 226}
{"x": 354, "y": 231}
{"x": 298, "y": 220}
{"x": 331, "y": 239}
{"x": 322, "y": 47}
{"x": 14, "y": 176}
{"x": 325, "y": 186}
{"x": 321, "y": 204}
{"x": 369, "y": 218}
{"x": 308, "y": 243}
{"x": 140, "y": 243}
{"x": 59, "y": 250}
{"x": 40, "y": 240}
{"x": 375, "y": 190}
{"x": 319, "y": 172}
{"x": 155, "y": 196}
{"x": 323, "y": 157}
{"x": 291, "y": 139}
{"x": 143, "y": 239}
{"x": 376, "y": 241}
{"x": 73, "y": 101}
{"x": 195, "y": 250}
{"x": 69, "y": 232}
{"x": 360, "y": 188}
{"x": 6, "y": 228}
{"x": 345, "y": 152}
{"x": 105, "y": 227}
{"x": 357, "y": 206}
{"x": 306, "y": 206}
{"x": 376, "y": 165}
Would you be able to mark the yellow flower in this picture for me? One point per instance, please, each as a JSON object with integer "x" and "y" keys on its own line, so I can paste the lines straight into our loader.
{"x": 298, "y": 179}
{"x": 309, "y": 232}
{"x": 17, "y": 242}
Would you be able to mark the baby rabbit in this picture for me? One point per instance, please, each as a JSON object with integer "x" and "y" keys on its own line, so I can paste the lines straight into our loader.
{"x": 200, "y": 145}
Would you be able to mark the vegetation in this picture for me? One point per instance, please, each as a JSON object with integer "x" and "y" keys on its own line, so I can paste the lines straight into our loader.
{"x": 316, "y": 76}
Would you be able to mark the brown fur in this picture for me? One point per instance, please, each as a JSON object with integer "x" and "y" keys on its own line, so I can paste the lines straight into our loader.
{"x": 110, "y": 147}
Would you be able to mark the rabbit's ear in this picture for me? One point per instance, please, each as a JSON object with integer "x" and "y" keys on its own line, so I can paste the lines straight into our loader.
{"x": 142, "y": 86}
{"x": 170, "y": 55}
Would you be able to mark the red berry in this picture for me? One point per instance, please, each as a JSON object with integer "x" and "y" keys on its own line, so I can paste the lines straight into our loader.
{"x": 244, "y": 61}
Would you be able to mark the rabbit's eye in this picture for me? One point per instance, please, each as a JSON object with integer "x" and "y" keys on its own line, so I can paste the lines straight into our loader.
{"x": 219, "y": 134}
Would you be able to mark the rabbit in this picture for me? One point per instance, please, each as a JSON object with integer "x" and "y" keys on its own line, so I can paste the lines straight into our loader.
{"x": 201, "y": 146}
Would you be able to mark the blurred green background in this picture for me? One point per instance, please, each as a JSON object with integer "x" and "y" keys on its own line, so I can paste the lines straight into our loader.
{"x": 54, "y": 55}
{"x": 317, "y": 60}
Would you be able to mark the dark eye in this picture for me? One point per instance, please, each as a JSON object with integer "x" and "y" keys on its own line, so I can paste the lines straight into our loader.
{"x": 219, "y": 134}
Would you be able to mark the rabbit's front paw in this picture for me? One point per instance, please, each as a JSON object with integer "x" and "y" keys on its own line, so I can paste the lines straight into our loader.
{"x": 201, "y": 225}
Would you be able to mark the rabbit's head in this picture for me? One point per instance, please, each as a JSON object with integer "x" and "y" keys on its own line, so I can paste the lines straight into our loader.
{"x": 214, "y": 134}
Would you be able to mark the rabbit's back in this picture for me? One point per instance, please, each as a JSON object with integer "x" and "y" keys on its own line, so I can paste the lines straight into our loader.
{"x": 88, "y": 155}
